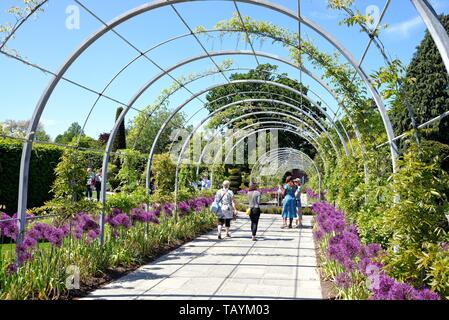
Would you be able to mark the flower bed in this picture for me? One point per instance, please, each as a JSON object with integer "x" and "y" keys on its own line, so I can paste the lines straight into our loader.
{"x": 355, "y": 268}
{"x": 49, "y": 251}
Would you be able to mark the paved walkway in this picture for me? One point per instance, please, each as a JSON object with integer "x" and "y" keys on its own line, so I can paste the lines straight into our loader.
{"x": 281, "y": 265}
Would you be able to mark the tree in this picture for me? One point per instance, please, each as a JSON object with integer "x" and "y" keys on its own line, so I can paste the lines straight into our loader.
{"x": 428, "y": 92}
{"x": 103, "y": 138}
{"x": 120, "y": 138}
{"x": 143, "y": 129}
{"x": 18, "y": 129}
{"x": 263, "y": 72}
{"x": 72, "y": 132}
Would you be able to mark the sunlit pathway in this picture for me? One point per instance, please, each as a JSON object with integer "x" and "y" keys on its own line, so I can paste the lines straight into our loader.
{"x": 281, "y": 265}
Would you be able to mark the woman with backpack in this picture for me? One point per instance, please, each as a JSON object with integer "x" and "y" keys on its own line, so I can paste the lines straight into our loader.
{"x": 225, "y": 200}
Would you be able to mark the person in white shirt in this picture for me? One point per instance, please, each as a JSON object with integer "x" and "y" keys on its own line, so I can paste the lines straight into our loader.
{"x": 225, "y": 198}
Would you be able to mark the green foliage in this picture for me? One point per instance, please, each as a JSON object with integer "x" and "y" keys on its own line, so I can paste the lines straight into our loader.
{"x": 251, "y": 91}
{"x": 41, "y": 175}
{"x": 45, "y": 276}
{"x": 428, "y": 93}
{"x": 71, "y": 176}
{"x": 70, "y": 135}
{"x": 419, "y": 216}
{"x": 126, "y": 201}
{"x": 187, "y": 175}
{"x": 131, "y": 169}
{"x": 235, "y": 178}
{"x": 164, "y": 173}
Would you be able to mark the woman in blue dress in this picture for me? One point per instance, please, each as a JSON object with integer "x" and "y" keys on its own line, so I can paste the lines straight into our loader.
{"x": 289, "y": 203}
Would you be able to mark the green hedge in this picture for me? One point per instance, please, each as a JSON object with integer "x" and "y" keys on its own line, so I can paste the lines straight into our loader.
{"x": 43, "y": 162}
{"x": 44, "y": 159}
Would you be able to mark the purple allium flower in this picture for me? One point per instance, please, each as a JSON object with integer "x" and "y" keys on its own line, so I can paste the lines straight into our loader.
{"x": 401, "y": 291}
{"x": 426, "y": 294}
{"x": 343, "y": 280}
{"x": 318, "y": 234}
{"x": 23, "y": 254}
{"x": 444, "y": 246}
{"x": 56, "y": 237}
{"x": 184, "y": 208}
{"x": 83, "y": 223}
{"x": 29, "y": 242}
{"x": 91, "y": 236}
{"x": 384, "y": 285}
{"x": 12, "y": 268}
{"x": 122, "y": 220}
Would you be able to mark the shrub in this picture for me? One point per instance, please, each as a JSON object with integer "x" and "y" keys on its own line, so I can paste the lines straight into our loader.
{"x": 44, "y": 160}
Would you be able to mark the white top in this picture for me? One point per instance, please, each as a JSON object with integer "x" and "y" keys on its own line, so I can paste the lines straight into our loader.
{"x": 227, "y": 210}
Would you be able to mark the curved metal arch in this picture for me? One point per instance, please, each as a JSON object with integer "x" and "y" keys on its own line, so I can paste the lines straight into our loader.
{"x": 26, "y": 153}
{"x": 300, "y": 110}
{"x": 309, "y": 138}
{"x": 165, "y": 42}
{"x": 192, "y": 59}
{"x": 205, "y": 120}
{"x": 297, "y": 160}
{"x": 242, "y": 139}
{"x": 274, "y": 153}
{"x": 276, "y": 58}
{"x": 164, "y": 125}
{"x": 443, "y": 47}
{"x": 253, "y": 125}
{"x": 333, "y": 124}
{"x": 315, "y": 144}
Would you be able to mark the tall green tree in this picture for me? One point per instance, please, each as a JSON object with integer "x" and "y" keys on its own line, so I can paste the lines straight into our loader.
{"x": 120, "y": 138}
{"x": 428, "y": 92}
{"x": 72, "y": 132}
{"x": 253, "y": 91}
{"x": 143, "y": 129}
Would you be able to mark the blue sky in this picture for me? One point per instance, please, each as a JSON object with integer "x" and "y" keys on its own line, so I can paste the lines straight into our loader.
{"x": 46, "y": 41}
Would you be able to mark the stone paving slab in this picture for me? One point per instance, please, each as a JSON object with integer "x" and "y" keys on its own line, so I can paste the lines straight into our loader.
{"x": 281, "y": 265}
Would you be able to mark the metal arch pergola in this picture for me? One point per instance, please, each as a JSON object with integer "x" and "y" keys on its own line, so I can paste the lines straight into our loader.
{"x": 279, "y": 125}
{"x": 302, "y": 69}
{"x": 184, "y": 147}
{"x": 260, "y": 122}
{"x": 252, "y": 133}
{"x": 271, "y": 155}
{"x": 423, "y": 7}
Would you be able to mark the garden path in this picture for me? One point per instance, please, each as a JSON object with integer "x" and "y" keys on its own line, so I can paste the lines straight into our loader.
{"x": 281, "y": 265}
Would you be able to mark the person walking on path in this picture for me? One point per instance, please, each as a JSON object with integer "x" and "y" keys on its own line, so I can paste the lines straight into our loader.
{"x": 98, "y": 181}
{"x": 289, "y": 203}
{"x": 298, "y": 203}
{"x": 90, "y": 183}
{"x": 225, "y": 199}
{"x": 254, "y": 205}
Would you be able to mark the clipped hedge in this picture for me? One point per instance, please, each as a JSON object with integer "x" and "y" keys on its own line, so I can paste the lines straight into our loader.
{"x": 41, "y": 176}
{"x": 44, "y": 159}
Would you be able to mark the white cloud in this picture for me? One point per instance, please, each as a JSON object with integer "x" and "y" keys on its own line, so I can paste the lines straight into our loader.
{"x": 406, "y": 28}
